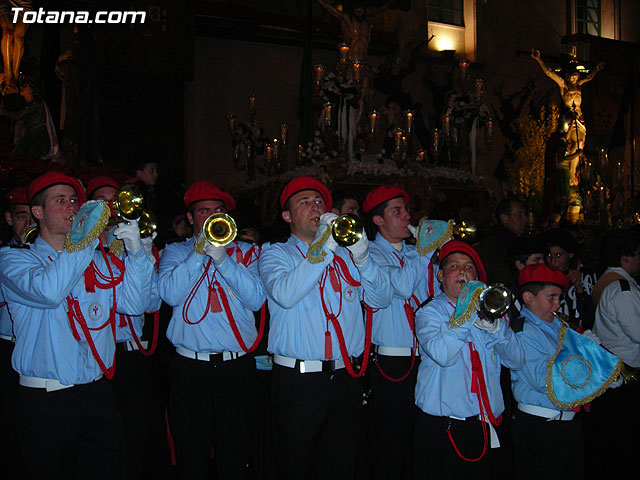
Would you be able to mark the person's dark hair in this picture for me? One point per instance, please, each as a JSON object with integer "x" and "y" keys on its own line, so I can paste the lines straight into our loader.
{"x": 371, "y": 228}
{"x": 40, "y": 199}
{"x": 618, "y": 243}
{"x": 534, "y": 287}
{"x": 140, "y": 164}
{"x": 505, "y": 206}
{"x": 339, "y": 197}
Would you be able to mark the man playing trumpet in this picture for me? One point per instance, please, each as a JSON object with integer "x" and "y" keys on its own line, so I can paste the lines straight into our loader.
{"x": 314, "y": 289}
{"x": 458, "y": 387}
{"x": 213, "y": 293}
{"x": 63, "y": 304}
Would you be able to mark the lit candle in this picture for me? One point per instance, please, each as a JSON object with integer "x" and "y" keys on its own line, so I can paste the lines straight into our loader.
{"x": 435, "y": 145}
{"x": 408, "y": 121}
{"x": 420, "y": 155}
{"x": 489, "y": 131}
{"x": 398, "y": 134}
{"x": 252, "y": 104}
{"x": 276, "y": 147}
{"x": 344, "y": 52}
{"x": 464, "y": 67}
{"x": 480, "y": 91}
{"x": 268, "y": 153}
{"x": 231, "y": 123}
{"x": 284, "y": 133}
{"x": 326, "y": 115}
{"x": 373, "y": 121}
{"x": 299, "y": 154}
{"x": 319, "y": 70}
{"x": 357, "y": 67}
{"x": 446, "y": 124}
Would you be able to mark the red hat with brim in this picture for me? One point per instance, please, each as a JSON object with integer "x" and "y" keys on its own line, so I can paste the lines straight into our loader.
{"x": 205, "y": 190}
{"x": 299, "y": 184}
{"x": 456, "y": 246}
{"x": 98, "y": 182}
{"x": 17, "y": 196}
{"x": 50, "y": 179}
{"x": 541, "y": 273}
{"x": 381, "y": 194}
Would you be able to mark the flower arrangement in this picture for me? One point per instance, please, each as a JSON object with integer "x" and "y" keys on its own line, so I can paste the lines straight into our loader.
{"x": 467, "y": 107}
{"x": 334, "y": 88}
{"x": 526, "y": 173}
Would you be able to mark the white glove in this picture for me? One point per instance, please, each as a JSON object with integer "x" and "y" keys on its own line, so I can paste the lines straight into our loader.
{"x": 619, "y": 381}
{"x": 487, "y": 326}
{"x": 218, "y": 254}
{"x": 413, "y": 230}
{"x": 360, "y": 250}
{"x": 592, "y": 336}
{"x": 129, "y": 233}
{"x": 326, "y": 220}
{"x": 147, "y": 244}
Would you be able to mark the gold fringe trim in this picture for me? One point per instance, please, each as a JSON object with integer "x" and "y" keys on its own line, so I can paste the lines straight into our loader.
{"x": 318, "y": 246}
{"x": 94, "y": 233}
{"x": 198, "y": 246}
{"x": 570, "y": 405}
{"x": 471, "y": 309}
{"x": 438, "y": 242}
{"x": 117, "y": 247}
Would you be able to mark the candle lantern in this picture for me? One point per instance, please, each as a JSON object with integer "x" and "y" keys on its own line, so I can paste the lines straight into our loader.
{"x": 268, "y": 153}
{"x": 398, "y": 133}
{"x": 436, "y": 142}
{"x": 619, "y": 172}
{"x": 232, "y": 121}
{"x": 276, "y": 148}
{"x": 603, "y": 159}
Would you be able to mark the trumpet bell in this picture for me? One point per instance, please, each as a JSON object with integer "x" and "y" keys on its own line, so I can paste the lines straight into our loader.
{"x": 147, "y": 223}
{"x": 495, "y": 302}
{"x": 129, "y": 201}
{"x": 347, "y": 230}
{"x": 29, "y": 233}
{"x": 219, "y": 229}
{"x": 465, "y": 230}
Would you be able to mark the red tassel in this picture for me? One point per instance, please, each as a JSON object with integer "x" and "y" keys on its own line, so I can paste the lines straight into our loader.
{"x": 123, "y": 320}
{"x": 328, "y": 350}
{"x": 214, "y": 301}
{"x": 89, "y": 280}
{"x": 334, "y": 279}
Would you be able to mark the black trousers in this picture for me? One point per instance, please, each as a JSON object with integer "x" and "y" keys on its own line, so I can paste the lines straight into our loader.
{"x": 9, "y": 453}
{"x": 74, "y": 433}
{"x": 434, "y": 456}
{"x": 317, "y": 423}
{"x": 213, "y": 405}
{"x": 547, "y": 449}
{"x": 141, "y": 387}
{"x": 394, "y": 417}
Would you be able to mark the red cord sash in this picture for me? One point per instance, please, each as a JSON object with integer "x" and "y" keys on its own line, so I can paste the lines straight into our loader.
{"x": 479, "y": 387}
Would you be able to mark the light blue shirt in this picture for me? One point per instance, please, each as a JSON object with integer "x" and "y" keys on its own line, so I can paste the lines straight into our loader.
{"x": 540, "y": 342}
{"x": 6, "y": 325}
{"x": 444, "y": 378}
{"x": 409, "y": 275}
{"x": 37, "y": 282}
{"x": 154, "y": 302}
{"x": 180, "y": 270}
{"x": 298, "y": 322}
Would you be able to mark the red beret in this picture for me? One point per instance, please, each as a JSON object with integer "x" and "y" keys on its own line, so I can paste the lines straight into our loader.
{"x": 50, "y": 179}
{"x": 205, "y": 190}
{"x": 540, "y": 272}
{"x": 305, "y": 183}
{"x": 98, "y": 182}
{"x": 17, "y": 196}
{"x": 381, "y": 194}
{"x": 456, "y": 246}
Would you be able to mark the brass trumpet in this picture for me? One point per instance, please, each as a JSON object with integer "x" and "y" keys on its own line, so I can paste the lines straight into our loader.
{"x": 29, "y": 233}
{"x": 219, "y": 230}
{"x": 494, "y": 302}
{"x": 129, "y": 205}
{"x": 347, "y": 229}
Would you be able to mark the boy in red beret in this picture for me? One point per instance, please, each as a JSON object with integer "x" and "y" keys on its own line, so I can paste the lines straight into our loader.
{"x": 547, "y": 440}
{"x": 458, "y": 387}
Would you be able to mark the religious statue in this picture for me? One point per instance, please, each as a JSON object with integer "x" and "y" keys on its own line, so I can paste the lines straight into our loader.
{"x": 12, "y": 43}
{"x": 570, "y": 83}
{"x": 356, "y": 27}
